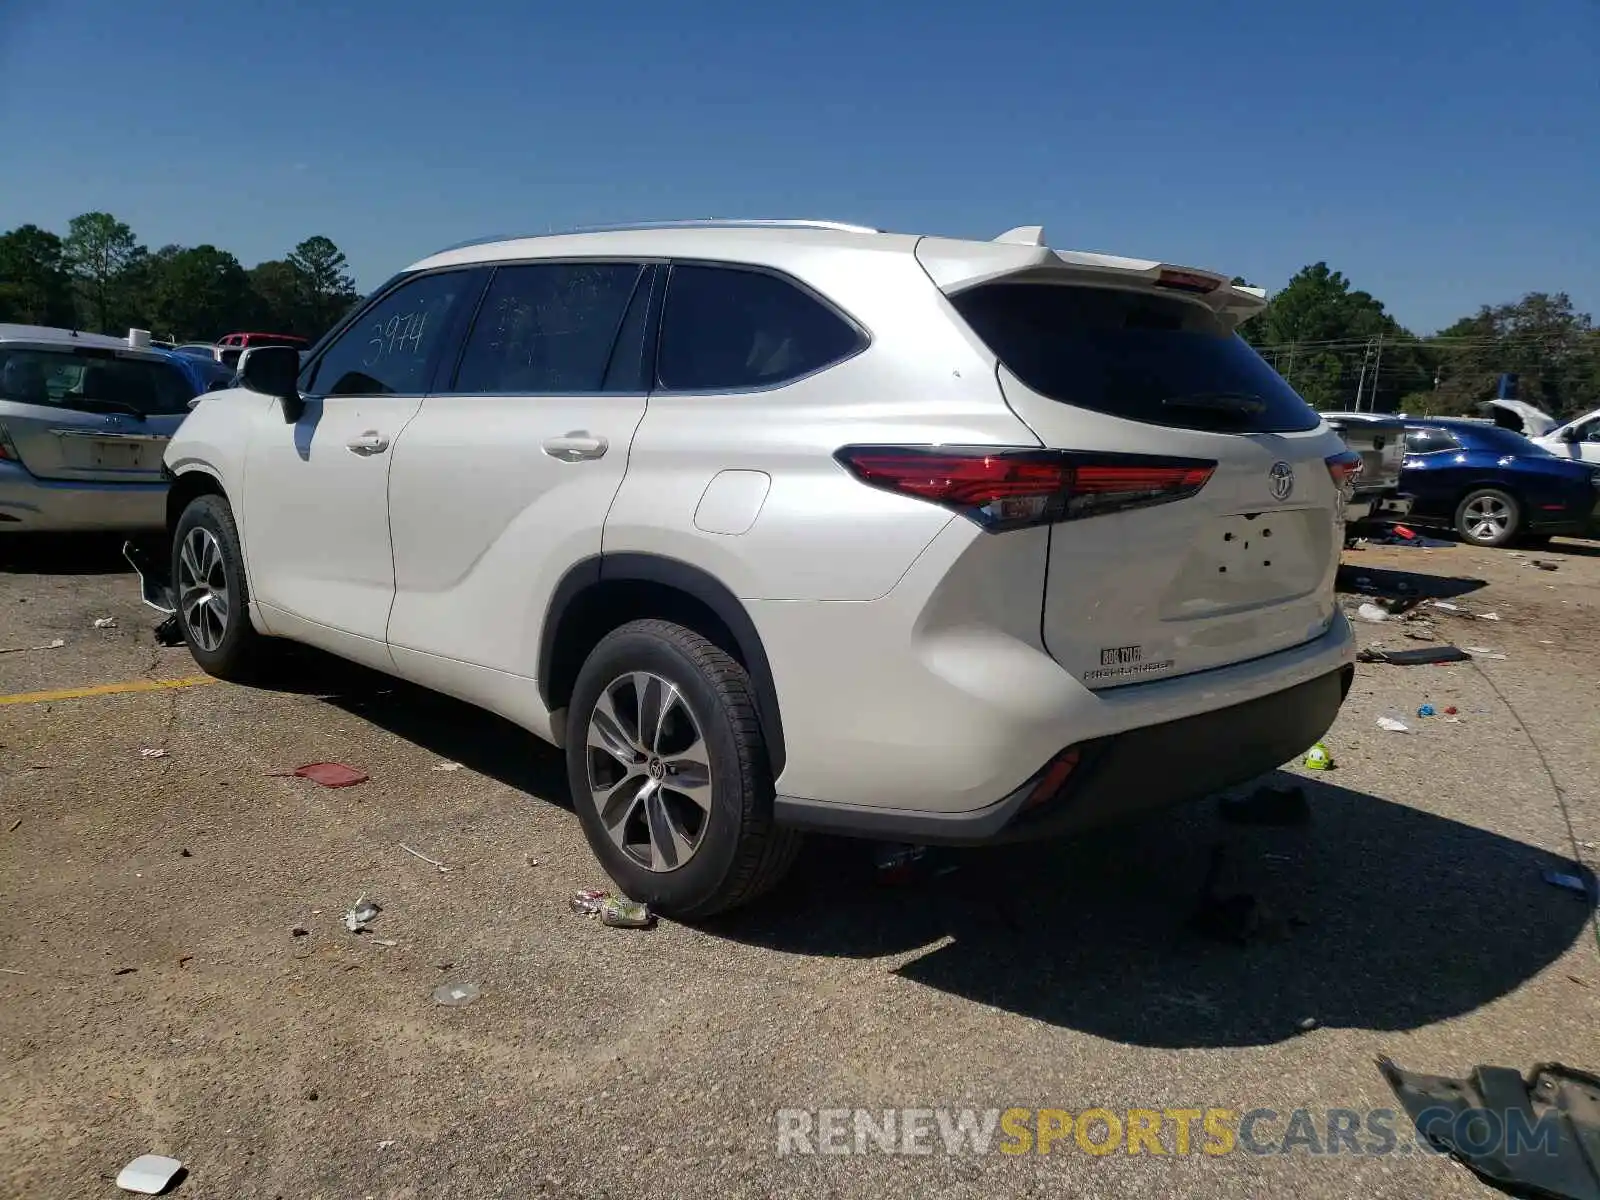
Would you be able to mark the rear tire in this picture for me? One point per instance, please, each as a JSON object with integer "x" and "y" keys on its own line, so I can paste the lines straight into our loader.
{"x": 1488, "y": 517}
{"x": 670, "y": 775}
{"x": 210, "y": 593}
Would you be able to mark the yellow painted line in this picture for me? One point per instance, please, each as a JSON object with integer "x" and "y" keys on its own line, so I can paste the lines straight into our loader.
{"x": 106, "y": 689}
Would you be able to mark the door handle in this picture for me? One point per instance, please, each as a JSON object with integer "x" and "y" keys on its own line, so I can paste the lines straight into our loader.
{"x": 369, "y": 443}
{"x": 576, "y": 446}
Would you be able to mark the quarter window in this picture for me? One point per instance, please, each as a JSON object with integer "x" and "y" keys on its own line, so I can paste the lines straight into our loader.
{"x": 549, "y": 328}
{"x": 390, "y": 349}
{"x": 1430, "y": 441}
{"x": 726, "y": 328}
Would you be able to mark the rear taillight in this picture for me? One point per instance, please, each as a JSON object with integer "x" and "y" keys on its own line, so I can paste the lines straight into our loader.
{"x": 1188, "y": 281}
{"x": 1346, "y": 471}
{"x": 1011, "y": 488}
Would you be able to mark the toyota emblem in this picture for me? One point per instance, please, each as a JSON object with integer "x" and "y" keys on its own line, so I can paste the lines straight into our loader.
{"x": 1281, "y": 478}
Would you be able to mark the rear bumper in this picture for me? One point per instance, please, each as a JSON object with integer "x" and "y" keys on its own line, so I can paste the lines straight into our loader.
{"x": 1118, "y": 777}
{"x": 32, "y": 505}
{"x": 1378, "y": 506}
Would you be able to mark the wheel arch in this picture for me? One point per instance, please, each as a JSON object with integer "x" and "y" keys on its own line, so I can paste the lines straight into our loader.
{"x": 185, "y": 488}
{"x": 603, "y": 592}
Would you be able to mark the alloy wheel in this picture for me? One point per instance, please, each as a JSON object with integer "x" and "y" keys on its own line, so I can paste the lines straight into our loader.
{"x": 203, "y": 589}
{"x": 1487, "y": 518}
{"x": 649, "y": 771}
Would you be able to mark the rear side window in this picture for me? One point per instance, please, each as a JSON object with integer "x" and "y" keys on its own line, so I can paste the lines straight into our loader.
{"x": 1430, "y": 441}
{"x": 548, "y": 328}
{"x": 90, "y": 381}
{"x": 1131, "y": 354}
{"x": 731, "y": 329}
{"x": 390, "y": 349}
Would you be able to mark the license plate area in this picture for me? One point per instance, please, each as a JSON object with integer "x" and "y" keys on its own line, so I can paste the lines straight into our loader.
{"x": 115, "y": 454}
{"x": 1249, "y": 560}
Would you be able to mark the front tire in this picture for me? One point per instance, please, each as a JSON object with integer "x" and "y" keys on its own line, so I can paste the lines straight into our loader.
{"x": 210, "y": 592}
{"x": 670, "y": 774}
{"x": 1488, "y": 517}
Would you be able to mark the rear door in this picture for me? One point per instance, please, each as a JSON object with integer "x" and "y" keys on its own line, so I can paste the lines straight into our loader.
{"x": 504, "y": 478}
{"x": 90, "y": 413}
{"x": 1153, "y": 581}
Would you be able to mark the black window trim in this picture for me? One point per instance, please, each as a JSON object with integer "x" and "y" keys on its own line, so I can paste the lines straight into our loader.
{"x": 658, "y": 388}
{"x": 650, "y": 273}
{"x": 313, "y": 362}
{"x": 1455, "y": 442}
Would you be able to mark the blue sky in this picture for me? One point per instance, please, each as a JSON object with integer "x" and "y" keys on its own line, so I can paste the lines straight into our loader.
{"x": 1442, "y": 153}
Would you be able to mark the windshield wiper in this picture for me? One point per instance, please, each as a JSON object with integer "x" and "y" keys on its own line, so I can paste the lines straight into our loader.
{"x": 95, "y": 404}
{"x": 1245, "y": 404}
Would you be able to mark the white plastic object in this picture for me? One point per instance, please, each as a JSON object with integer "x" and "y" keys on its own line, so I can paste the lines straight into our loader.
{"x": 149, "y": 1174}
{"x": 139, "y": 339}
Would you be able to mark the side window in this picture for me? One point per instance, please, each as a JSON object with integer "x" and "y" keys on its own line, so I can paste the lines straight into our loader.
{"x": 726, "y": 328}
{"x": 1591, "y": 431}
{"x": 1429, "y": 441}
{"x": 390, "y": 349}
{"x": 548, "y": 328}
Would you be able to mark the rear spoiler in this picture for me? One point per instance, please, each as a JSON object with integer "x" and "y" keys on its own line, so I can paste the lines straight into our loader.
{"x": 955, "y": 266}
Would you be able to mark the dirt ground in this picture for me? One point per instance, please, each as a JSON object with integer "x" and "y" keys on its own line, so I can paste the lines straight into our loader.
{"x": 156, "y": 997}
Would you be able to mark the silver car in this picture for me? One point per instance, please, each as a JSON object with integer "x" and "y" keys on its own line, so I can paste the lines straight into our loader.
{"x": 84, "y": 421}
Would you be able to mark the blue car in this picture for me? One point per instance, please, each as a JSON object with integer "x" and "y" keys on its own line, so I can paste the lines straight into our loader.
{"x": 1493, "y": 486}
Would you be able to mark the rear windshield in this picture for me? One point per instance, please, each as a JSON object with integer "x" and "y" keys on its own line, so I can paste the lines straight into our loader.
{"x": 1148, "y": 358}
{"x": 93, "y": 381}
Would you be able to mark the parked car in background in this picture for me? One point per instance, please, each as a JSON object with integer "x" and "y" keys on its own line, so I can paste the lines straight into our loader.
{"x": 84, "y": 420}
{"x": 207, "y": 374}
{"x": 1493, "y": 486}
{"x": 1579, "y": 438}
{"x": 197, "y": 350}
{"x": 230, "y": 347}
{"x": 1380, "y": 440}
{"x": 791, "y": 525}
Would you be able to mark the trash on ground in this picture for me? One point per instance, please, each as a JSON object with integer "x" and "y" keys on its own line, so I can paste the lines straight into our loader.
{"x": 330, "y": 775}
{"x": 447, "y": 766}
{"x": 432, "y": 862}
{"x": 169, "y": 632}
{"x": 1393, "y": 726}
{"x": 456, "y": 995}
{"x": 1572, "y": 883}
{"x": 1554, "y": 1097}
{"x": 1450, "y": 710}
{"x": 587, "y": 903}
{"x": 1546, "y": 566}
{"x": 1425, "y": 710}
{"x": 625, "y": 914}
{"x": 149, "y": 1174}
{"x": 361, "y": 914}
{"x": 1368, "y": 611}
{"x": 1489, "y": 616}
{"x": 1318, "y": 759}
{"x": 1447, "y": 606}
{"x": 385, "y": 1144}
{"x": 1308, "y": 1024}
{"x": 1484, "y": 652}
{"x": 1423, "y": 657}
{"x": 14, "y": 826}
{"x": 387, "y": 943}
{"x": 298, "y": 931}
{"x": 1267, "y": 806}
{"x": 105, "y": 622}
{"x": 55, "y": 645}
{"x": 126, "y": 971}
{"x": 153, "y": 752}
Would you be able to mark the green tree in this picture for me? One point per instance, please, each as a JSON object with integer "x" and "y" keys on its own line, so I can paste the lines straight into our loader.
{"x": 35, "y": 288}
{"x": 1541, "y": 339}
{"x": 326, "y": 287}
{"x": 196, "y": 292}
{"x": 104, "y": 259}
{"x": 278, "y": 305}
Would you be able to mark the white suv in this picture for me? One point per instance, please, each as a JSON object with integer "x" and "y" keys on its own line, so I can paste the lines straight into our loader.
{"x": 779, "y": 526}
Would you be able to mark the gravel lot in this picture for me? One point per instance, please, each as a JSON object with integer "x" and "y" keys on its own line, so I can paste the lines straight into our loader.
{"x": 155, "y": 999}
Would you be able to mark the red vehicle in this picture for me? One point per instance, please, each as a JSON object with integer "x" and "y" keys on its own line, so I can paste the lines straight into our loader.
{"x": 235, "y": 344}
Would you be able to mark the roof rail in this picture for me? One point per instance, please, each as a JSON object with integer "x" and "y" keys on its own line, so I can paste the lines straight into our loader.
{"x": 692, "y": 223}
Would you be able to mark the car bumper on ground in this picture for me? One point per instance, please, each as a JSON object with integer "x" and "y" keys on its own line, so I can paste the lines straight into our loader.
{"x": 32, "y": 505}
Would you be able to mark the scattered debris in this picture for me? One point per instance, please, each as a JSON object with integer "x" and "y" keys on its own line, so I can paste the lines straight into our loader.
{"x": 362, "y": 914}
{"x": 1392, "y": 726}
{"x": 1425, "y": 710}
{"x": 14, "y": 826}
{"x": 447, "y": 766}
{"x": 1572, "y": 883}
{"x": 149, "y": 1174}
{"x": 185, "y": 959}
{"x": 1423, "y": 657}
{"x": 55, "y": 645}
{"x": 184, "y": 853}
{"x": 432, "y": 862}
{"x": 1443, "y": 1109}
{"x": 1546, "y": 566}
{"x": 169, "y": 632}
{"x": 586, "y": 903}
{"x": 153, "y": 752}
{"x": 126, "y": 971}
{"x": 1483, "y": 652}
{"x": 1448, "y": 607}
{"x": 384, "y": 1145}
{"x": 329, "y": 775}
{"x": 532, "y": 861}
{"x": 11, "y": 971}
{"x": 299, "y": 931}
{"x": 1308, "y": 1024}
{"x": 1450, "y": 710}
{"x": 105, "y": 622}
{"x": 1489, "y": 616}
{"x": 1318, "y": 759}
{"x": 625, "y": 914}
{"x": 1267, "y": 806}
{"x": 1371, "y": 612}
{"x": 456, "y": 995}
{"x": 386, "y": 943}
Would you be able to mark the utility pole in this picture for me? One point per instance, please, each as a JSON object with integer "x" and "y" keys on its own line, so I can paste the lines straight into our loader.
{"x": 1361, "y": 383}
{"x": 1377, "y": 375}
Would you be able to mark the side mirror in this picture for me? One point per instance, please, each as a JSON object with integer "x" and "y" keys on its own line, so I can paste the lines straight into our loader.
{"x": 274, "y": 371}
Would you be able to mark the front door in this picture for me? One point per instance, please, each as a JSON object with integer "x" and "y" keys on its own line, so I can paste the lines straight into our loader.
{"x": 316, "y": 506}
